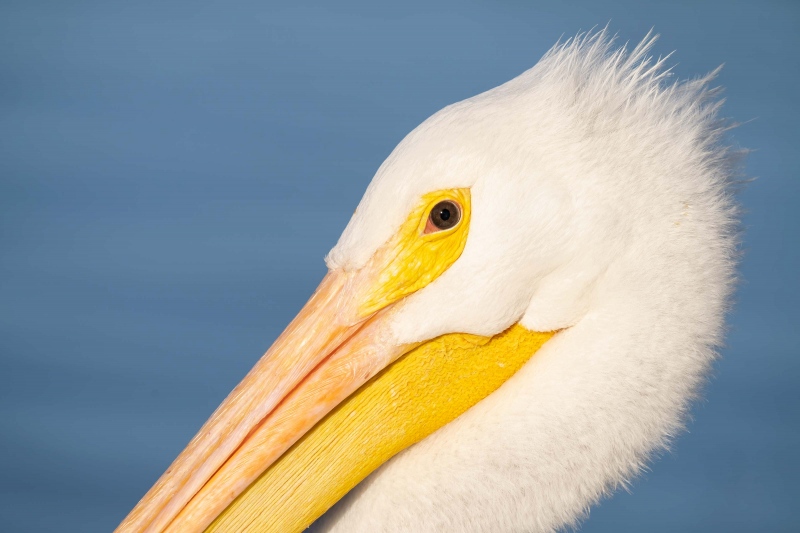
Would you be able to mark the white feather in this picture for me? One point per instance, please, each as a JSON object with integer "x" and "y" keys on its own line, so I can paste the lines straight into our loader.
{"x": 601, "y": 204}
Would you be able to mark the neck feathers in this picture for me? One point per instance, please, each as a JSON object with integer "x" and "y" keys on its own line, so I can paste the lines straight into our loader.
{"x": 585, "y": 414}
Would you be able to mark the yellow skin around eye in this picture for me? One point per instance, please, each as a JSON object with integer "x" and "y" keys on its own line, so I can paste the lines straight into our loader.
{"x": 412, "y": 258}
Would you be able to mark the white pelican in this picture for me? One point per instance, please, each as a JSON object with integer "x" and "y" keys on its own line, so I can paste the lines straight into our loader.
{"x": 581, "y": 211}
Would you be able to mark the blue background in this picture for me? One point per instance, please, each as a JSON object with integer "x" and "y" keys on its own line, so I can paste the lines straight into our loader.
{"x": 172, "y": 174}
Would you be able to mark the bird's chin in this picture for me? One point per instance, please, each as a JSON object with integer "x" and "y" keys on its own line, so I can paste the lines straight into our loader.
{"x": 425, "y": 389}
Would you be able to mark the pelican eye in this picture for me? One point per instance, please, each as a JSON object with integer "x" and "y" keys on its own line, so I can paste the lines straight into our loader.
{"x": 444, "y": 215}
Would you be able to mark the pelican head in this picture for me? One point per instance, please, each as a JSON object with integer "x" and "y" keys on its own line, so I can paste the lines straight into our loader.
{"x": 524, "y": 304}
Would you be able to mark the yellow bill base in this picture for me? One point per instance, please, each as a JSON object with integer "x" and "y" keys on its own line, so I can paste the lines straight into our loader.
{"x": 425, "y": 389}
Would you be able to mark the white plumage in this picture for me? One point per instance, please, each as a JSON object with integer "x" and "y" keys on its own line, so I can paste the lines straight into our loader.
{"x": 602, "y": 206}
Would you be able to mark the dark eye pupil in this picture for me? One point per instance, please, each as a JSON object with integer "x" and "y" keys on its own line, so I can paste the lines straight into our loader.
{"x": 445, "y": 215}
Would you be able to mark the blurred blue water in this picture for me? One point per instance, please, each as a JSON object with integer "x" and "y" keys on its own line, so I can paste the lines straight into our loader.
{"x": 172, "y": 173}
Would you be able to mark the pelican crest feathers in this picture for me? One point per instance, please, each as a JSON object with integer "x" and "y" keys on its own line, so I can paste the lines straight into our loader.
{"x": 603, "y": 208}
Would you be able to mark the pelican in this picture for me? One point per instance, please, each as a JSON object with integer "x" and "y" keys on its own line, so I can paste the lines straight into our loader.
{"x": 516, "y": 318}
